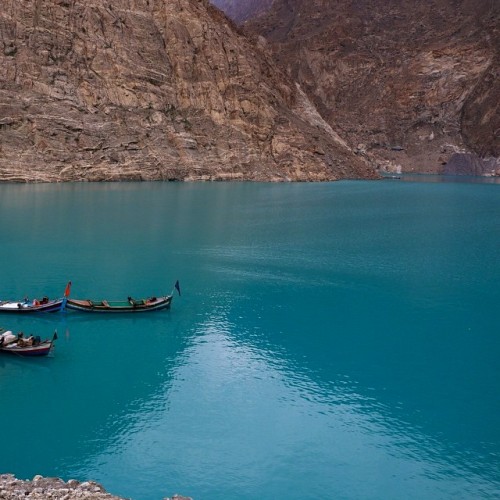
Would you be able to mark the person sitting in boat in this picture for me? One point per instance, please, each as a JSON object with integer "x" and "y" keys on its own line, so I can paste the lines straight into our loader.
{"x": 36, "y": 302}
{"x": 22, "y": 341}
{"x": 45, "y": 300}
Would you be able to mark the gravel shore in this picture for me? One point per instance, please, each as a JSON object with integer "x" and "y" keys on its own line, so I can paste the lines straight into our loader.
{"x": 45, "y": 488}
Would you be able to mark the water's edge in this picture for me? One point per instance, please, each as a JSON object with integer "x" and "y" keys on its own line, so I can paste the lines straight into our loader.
{"x": 12, "y": 488}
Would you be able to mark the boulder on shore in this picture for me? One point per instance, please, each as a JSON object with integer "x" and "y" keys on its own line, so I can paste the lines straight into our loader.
{"x": 42, "y": 488}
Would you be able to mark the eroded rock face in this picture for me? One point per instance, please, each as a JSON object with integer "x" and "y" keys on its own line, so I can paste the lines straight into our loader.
{"x": 407, "y": 83}
{"x": 243, "y": 10}
{"x": 151, "y": 89}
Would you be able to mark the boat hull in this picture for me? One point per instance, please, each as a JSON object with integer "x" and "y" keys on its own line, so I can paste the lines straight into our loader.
{"x": 104, "y": 306}
{"x": 43, "y": 349}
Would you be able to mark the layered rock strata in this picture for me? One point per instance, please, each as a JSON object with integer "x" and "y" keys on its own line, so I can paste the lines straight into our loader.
{"x": 151, "y": 90}
{"x": 408, "y": 84}
{"x": 243, "y": 10}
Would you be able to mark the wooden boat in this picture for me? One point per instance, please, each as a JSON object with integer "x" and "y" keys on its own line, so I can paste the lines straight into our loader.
{"x": 129, "y": 305}
{"x": 20, "y": 345}
{"x": 43, "y": 305}
{"x": 37, "y": 305}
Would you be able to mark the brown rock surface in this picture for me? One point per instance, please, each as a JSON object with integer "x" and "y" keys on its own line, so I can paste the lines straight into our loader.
{"x": 243, "y": 10}
{"x": 151, "y": 89}
{"x": 407, "y": 83}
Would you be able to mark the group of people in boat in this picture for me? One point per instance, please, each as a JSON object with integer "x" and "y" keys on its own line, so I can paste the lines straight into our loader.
{"x": 141, "y": 302}
{"x": 8, "y": 338}
{"x": 35, "y": 302}
{"x": 44, "y": 300}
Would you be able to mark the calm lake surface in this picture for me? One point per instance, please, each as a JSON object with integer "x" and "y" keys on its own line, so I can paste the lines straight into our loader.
{"x": 337, "y": 340}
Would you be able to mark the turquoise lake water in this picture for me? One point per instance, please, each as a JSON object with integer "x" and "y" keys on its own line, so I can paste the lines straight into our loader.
{"x": 337, "y": 340}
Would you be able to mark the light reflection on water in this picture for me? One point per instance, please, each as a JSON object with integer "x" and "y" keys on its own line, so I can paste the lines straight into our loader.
{"x": 260, "y": 412}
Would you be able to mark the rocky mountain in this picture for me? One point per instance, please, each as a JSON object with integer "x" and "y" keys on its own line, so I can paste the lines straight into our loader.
{"x": 243, "y": 10}
{"x": 152, "y": 89}
{"x": 412, "y": 86}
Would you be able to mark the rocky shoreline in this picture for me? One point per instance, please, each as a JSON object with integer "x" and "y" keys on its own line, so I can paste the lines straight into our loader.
{"x": 43, "y": 488}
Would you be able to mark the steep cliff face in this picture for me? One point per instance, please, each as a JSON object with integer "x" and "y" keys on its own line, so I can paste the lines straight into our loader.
{"x": 243, "y": 10}
{"x": 151, "y": 89}
{"x": 409, "y": 84}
